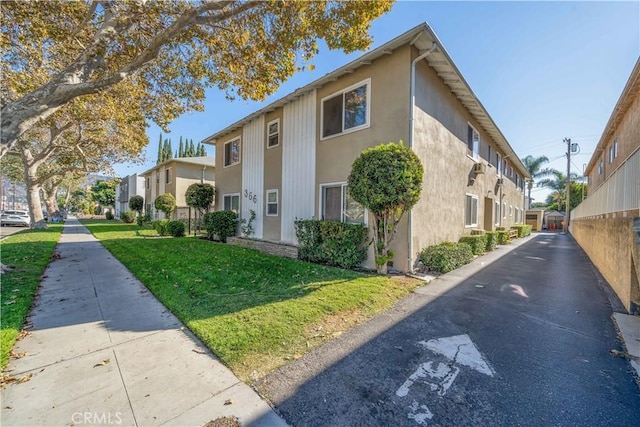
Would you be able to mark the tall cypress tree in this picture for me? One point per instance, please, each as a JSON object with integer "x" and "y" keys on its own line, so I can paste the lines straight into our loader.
{"x": 192, "y": 149}
{"x": 169, "y": 150}
{"x": 160, "y": 150}
{"x": 181, "y": 149}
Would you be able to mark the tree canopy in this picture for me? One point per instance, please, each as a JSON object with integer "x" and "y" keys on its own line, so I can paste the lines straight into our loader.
{"x": 387, "y": 180}
{"x": 170, "y": 51}
{"x": 165, "y": 203}
{"x": 104, "y": 192}
{"x": 200, "y": 196}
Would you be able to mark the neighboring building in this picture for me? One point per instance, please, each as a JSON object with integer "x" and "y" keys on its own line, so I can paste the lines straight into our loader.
{"x": 553, "y": 220}
{"x": 603, "y": 224}
{"x": 175, "y": 176}
{"x": 292, "y": 158}
{"x": 132, "y": 185}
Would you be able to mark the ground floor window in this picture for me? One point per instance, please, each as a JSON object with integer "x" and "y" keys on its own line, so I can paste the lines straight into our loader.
{"x": 497, "y": 213}
{"x": 231, "y": 202}
{"x": 471, "y": 211}
{"x": 337, "y": 205}
{"x": 272, "y": 202}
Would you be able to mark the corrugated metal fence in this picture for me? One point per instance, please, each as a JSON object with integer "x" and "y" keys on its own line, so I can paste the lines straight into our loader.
{"x": 619, "y": 193}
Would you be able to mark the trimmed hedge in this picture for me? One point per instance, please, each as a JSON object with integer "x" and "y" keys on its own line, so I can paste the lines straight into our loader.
{"x": 503, "y": 237}
{"x": 446, "y": 256}
{"x": 161, "y": 226}
{"x": 331, "y": 242}
{"x": 176, "y": 228}
{"x": 127, "y": 217}
{"x": 524, "y": 230}
{"x": 492, "y": 240}
{"x": 222, "y": 224}
{"x": 477, "y": 243}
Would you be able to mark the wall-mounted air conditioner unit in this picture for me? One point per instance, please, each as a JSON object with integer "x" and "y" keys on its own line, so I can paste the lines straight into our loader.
{"x": 500, "y": 181}
{"x": 479, "y": 168}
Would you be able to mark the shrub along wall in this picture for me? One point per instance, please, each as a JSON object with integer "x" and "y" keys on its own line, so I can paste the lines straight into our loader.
{"x": 477, "y": 243}
{"x": 331, "y": 242}
{"x": 446, "y": 256}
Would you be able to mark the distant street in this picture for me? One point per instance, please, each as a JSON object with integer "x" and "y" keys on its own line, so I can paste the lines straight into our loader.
{"x": 523, "y": 342}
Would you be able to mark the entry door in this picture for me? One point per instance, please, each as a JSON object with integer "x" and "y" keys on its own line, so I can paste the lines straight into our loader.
{"x": 488, "y": 214}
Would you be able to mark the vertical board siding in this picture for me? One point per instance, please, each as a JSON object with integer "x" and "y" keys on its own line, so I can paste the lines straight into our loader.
{"x": 619, "y": 193}
{"x": 252, "y": 152}
{"x": 298, "y": 163}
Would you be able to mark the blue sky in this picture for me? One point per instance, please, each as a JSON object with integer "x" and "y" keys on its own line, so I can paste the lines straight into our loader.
{"x": 543, "y": 70}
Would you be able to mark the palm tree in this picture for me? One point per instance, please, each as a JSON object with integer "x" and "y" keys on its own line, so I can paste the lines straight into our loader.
{"x": 558, "y": 184}
{"x": 534, "y": 166}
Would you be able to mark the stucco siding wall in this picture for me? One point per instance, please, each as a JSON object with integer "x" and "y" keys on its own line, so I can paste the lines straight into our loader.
{"x": 389, "y": 122}
{"x": 228, "y": 179}
{"x": 253, "y": 174}
{"x": 441, "y": 126}
{"x": 628, "y": 135}
{"x": 611, "y": 245}
{"x": 298, "y": 163}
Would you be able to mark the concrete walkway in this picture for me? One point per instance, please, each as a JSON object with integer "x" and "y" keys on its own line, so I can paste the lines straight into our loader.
{"x": 103, "y": 351}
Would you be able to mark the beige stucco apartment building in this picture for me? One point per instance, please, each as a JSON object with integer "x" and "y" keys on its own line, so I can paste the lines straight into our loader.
{"x": 175, "y": 176}
{"x": 292, "y": 158}
{"x": 607, "y": 223}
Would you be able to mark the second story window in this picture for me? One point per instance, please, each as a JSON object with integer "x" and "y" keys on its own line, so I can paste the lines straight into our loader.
{"x": 347, "y": 110}
{"x": 473, "y": 142}
{"x": 167, "y": 176}
{"x": 232, "y": 152}
{"x": 273, "y": 133}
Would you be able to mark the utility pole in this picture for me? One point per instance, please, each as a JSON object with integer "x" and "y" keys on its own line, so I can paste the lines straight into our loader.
{"x": 565, "y": 228}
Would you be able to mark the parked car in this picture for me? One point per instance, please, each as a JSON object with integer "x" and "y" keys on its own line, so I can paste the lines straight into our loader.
{"x": 15, "y": 217}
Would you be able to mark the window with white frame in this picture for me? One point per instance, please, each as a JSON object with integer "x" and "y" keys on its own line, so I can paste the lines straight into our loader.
{"x": 231, "y": 202}
{"x": 272, "y": 202}
{"x": 517, "y": 215}
{"x": 600, "y": 166}
{"x": 471, "y": 211}
{"x": 273, "y": 133}
{"x": 347, "y": 110}
{"x": 510, "y": 210}
{"x": 148, "y": 182}
{"x": 167, "y": 176}
{"x": 157, "y": 178}
{"x": 337, "y": 205}
{"x": 232, "y": 152}
{"x": 473, "y": 141}
{"x": 504, "y": 210}
{"x": 496, "y": 214}
{"x": 499, "y": 165}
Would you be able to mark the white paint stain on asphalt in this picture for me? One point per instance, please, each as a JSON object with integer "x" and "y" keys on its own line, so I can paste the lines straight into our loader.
{"x": 459, "y": 350}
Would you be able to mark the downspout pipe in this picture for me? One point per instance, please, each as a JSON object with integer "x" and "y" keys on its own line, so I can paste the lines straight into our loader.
{"x": 423, "y": 54}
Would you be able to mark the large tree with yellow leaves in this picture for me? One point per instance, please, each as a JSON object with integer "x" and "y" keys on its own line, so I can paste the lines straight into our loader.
{"x": 170, "y": 50}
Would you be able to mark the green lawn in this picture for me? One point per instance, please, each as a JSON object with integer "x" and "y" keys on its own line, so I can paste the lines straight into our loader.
{"x": 28, "y": 252}
{"x": 254, "y": 311}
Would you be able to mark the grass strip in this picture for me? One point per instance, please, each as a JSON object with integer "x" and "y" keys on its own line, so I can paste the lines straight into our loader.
{"x": 27, "y": 254}
{"x": 254, "y": 311}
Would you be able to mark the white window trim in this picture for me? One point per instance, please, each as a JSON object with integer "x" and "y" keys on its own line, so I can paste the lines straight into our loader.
{"x": 475, "y": 152}
{"x": 269, "y": 134}
{"x": 335, "y": 184}
{"x": 473, "y": 196}
{"x": 231, "y": 195}
{"x": 342, "y": 91}
{"x": 496, "y": 214}
{"x": 499, "y": 166}
{"x": 266, "y": 201}
{"x": 510, "y": 210}
{"x": 170, "y": 175}
{"x": 504, "y": 210}
{"x": 224, "y": 152}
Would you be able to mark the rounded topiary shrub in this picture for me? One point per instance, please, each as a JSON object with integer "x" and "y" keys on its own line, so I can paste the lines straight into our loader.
{"x": 446, "y": 256}
{"x": 128, "y": 217}
{"x": 176, "y": 228}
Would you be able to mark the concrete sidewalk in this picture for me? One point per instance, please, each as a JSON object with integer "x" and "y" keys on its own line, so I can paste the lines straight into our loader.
{"x": 103, "y": 351}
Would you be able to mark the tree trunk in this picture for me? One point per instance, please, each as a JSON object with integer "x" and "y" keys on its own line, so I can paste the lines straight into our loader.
{"x": 51, "y": 203}
{"x": 35, "y": 206}
{"x": 529, "y": 186}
